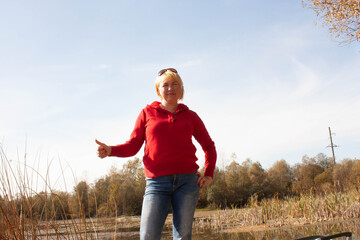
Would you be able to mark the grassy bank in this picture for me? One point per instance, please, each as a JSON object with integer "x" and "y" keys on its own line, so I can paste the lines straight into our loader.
{"x": 305, "y": 209}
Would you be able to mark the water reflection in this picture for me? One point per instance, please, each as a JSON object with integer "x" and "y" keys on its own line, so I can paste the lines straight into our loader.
{"x": 283, "y": 233}
{"x": 130, "y": 231}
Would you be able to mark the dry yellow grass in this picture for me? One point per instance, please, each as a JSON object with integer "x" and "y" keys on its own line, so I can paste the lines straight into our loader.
{"x": 274, "y": 213}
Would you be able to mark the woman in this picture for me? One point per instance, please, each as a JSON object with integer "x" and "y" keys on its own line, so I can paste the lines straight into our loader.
{"x": 172, "y": 180}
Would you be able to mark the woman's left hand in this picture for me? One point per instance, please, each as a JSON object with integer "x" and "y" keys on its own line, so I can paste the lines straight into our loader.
{"x": 203, "y": 181}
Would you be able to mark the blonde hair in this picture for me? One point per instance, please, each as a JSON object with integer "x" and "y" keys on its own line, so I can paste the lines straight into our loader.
{"x": 169, "y": 75}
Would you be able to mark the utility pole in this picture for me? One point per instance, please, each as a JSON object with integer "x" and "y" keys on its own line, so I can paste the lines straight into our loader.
{"x": 332, "y": 146}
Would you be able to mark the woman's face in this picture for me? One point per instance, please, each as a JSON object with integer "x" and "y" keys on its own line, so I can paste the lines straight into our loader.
{"x": 170, "y": 90}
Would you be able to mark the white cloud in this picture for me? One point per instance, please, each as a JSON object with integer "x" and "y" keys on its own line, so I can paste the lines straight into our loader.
{"x": 308, "y": 80}
{"x": 190, "y": 63}
{"x": 103, "y": 66}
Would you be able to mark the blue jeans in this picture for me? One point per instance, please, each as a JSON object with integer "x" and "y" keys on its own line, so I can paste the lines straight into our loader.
{"x": 179, "y": 191}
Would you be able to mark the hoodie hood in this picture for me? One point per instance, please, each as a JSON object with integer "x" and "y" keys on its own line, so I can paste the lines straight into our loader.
{"x": 181, "y": 107}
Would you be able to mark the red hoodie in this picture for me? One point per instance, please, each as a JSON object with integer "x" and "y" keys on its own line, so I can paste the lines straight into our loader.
{"x": 168, "y": 141}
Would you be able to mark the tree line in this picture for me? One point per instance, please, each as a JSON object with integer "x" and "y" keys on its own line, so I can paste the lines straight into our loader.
{"x": 120, "y": 192}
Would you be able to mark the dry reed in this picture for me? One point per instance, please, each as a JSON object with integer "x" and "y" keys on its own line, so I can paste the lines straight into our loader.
{"x": 21, "y": 217}
{"x": 274, "y": 212}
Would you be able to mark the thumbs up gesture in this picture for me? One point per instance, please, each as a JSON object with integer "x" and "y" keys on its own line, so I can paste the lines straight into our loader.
{"x": 103, "y": 149}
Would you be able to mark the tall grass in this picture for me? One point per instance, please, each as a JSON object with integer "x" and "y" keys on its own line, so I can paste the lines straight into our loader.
{"x": 304, "y": 209}
{"x": 27, "y": 213}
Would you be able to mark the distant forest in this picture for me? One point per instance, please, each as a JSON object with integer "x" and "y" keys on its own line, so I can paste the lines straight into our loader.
{"x": 120, "y": 192}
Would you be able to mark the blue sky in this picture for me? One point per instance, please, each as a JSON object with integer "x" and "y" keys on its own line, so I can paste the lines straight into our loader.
{"x": 264, "y": 78}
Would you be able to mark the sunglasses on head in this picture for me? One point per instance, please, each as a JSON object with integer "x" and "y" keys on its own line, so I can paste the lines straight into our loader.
{"x": 164, "y": 70}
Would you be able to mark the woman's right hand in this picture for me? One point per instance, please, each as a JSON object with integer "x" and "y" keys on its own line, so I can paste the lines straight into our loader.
{"x": 103, "y": 149}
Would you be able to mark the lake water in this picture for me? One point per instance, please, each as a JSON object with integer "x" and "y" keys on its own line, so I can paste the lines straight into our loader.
{"x": 128, "y": 228}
